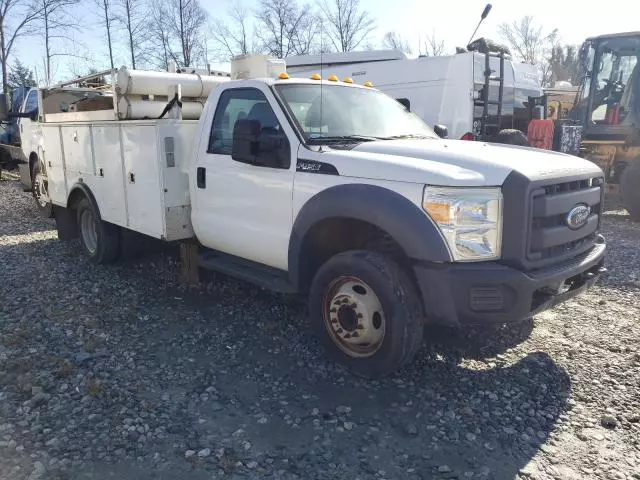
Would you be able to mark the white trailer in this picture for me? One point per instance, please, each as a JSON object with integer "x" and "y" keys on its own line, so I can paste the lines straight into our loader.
{"x": 332, "y": 190}
{"x": 446, "y": 90}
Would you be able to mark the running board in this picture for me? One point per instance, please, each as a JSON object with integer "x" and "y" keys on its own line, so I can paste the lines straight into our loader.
{"x": 253, "y": 272}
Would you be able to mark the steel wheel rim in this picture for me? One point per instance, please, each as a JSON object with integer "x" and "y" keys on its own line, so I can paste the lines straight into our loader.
{"x": 89, "y": 231}
{"x": 353, "y": 317}
{"x": 41, "y": 188}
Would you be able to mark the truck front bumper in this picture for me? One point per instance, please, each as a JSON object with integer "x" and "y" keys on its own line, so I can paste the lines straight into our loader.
{"x": 477, "y": 293}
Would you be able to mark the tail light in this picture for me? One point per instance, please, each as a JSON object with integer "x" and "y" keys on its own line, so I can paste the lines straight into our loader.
{"x": 467, "y": 136}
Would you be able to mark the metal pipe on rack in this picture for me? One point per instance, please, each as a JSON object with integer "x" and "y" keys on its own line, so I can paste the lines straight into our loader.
{"x": 141, "y": 82}
{"x": 140, "y": 109}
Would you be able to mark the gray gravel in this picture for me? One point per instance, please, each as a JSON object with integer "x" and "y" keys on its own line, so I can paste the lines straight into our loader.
{"x": 121, "y": 372}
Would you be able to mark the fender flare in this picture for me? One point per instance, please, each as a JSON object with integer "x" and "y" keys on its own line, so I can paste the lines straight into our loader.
{"x": 412, "y": 228}
{"x": 84, "y": 188}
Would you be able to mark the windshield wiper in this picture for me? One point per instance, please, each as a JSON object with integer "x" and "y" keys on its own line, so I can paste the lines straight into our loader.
{"x": 343, "y": 138}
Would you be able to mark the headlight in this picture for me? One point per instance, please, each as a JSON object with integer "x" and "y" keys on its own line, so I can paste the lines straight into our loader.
{"x": 469, "y": 218}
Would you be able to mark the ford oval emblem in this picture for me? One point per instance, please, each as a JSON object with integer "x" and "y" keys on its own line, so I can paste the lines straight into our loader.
{"x": 578, "y": 216}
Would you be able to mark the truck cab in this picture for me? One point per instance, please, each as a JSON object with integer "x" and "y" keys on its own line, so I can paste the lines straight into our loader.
{"x": 22, "y": 113}
{"x": 343, "y": 194}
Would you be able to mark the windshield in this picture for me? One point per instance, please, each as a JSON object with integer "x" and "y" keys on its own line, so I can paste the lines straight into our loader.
{"x": 345, "y": 112}
{"x": 615, "y": 82}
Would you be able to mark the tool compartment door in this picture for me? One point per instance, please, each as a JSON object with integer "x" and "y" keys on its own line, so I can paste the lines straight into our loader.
{"x": 145, "y": 201}
{"x": 78, "y": 155}
{"x": 108, "y": 183}
{"x": 52, "y": 157}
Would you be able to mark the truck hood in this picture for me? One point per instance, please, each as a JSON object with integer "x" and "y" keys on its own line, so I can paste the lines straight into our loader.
{"x": 453, "y": 162}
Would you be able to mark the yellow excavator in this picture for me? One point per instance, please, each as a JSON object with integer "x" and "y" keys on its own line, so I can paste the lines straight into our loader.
{"x": 607, "y": 106}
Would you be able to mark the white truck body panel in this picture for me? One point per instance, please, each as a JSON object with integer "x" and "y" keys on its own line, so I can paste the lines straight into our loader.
{"x": 137, "y": 181}
{"x": 440, "y": 89}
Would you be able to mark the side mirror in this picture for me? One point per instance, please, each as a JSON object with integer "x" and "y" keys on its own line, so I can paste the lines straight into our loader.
{"x": 4, "y": 108}
{"x": 245, "y": 141}
{"x": 404, "y": 102}
{"x": 258, "y": 146}
{"x": 441, "y": 131}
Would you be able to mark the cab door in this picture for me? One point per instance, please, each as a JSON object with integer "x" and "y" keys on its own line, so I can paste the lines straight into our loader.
{"x": 29, "y": 127}
{"x": 239, "y": 208}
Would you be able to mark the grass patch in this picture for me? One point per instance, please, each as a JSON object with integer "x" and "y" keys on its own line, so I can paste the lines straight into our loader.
{"x": 94, "y": 387}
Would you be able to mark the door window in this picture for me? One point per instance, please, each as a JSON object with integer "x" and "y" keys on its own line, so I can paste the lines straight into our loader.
{"x": 237, "y": 104}
{"x": 31, "y": 105}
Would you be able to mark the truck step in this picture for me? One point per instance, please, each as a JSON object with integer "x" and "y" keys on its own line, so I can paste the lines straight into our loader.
{"x": 256, "y": 273}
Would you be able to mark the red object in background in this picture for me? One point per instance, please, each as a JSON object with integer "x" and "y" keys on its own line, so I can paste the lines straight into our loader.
{"x": 613, "y": 114}
{"x": 467, "y": 136}
{"x": 540, "y": 134}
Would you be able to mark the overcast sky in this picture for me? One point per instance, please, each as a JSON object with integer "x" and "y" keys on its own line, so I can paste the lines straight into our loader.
{"x": 452, "y": 21}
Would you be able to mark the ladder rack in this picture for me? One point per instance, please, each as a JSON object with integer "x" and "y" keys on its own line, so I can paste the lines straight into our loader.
{"x": 488, "y": 130}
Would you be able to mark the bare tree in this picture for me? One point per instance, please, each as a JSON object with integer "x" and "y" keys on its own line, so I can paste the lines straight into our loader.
{"x": 56, "y": 24}
{"x": 133, "y": 18}
{"x": 232, "y": 38}
{"x": 159, "y": 36}
{"x": 527, "y": 39}
{"x": 107, "y": 21}
{"x": 348, "y": 26}
{"x": 284, "y": 28}
{"x": 187, "y": 20}
{"x": 394, "y": 41}
{"x": 433, "y": 47}
{"x": 17, "y": 18}
{"x": 305, "y": 37}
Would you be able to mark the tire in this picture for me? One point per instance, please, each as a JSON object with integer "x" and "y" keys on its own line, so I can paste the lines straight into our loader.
{"x": 100, "y": 240}
{"x": 40, "y": 189}
{"x": 367, "y": 293}
{"x": 511, "y": 137}
{"x": 630, "y": 189}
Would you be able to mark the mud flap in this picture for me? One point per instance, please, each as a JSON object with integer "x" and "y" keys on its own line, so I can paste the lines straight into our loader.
{"x": 65, "y": 223}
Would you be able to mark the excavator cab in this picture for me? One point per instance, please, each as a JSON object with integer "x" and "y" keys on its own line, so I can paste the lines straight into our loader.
{"x": 608, "y": 108}
{"x": 609, "y": 95}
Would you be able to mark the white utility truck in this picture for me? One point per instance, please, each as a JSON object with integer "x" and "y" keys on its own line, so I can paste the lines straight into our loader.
{"x": 475, "y": 94}
{"x": 329, "y": 189}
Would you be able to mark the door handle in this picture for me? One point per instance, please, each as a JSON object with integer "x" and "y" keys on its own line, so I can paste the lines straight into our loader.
{"x": 201, "y": 177}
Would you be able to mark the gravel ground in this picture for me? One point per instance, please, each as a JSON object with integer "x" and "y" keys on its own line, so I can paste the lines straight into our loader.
{"x": 122, "y": 372}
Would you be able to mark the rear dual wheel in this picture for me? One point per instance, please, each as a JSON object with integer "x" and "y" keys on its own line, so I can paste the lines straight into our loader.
{"x": 100, "y": 240}
{"x": 366, "y": 312}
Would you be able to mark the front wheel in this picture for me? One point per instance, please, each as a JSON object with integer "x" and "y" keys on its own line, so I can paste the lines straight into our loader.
{"x": 366, "y": 311}
{"x": 100, "y": 240}
{"x": 40, "y": 189}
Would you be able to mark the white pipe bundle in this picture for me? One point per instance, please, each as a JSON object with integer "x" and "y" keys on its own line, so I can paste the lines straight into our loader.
{"x": 137, "y": 109}
{"x": 141, "y": 82}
